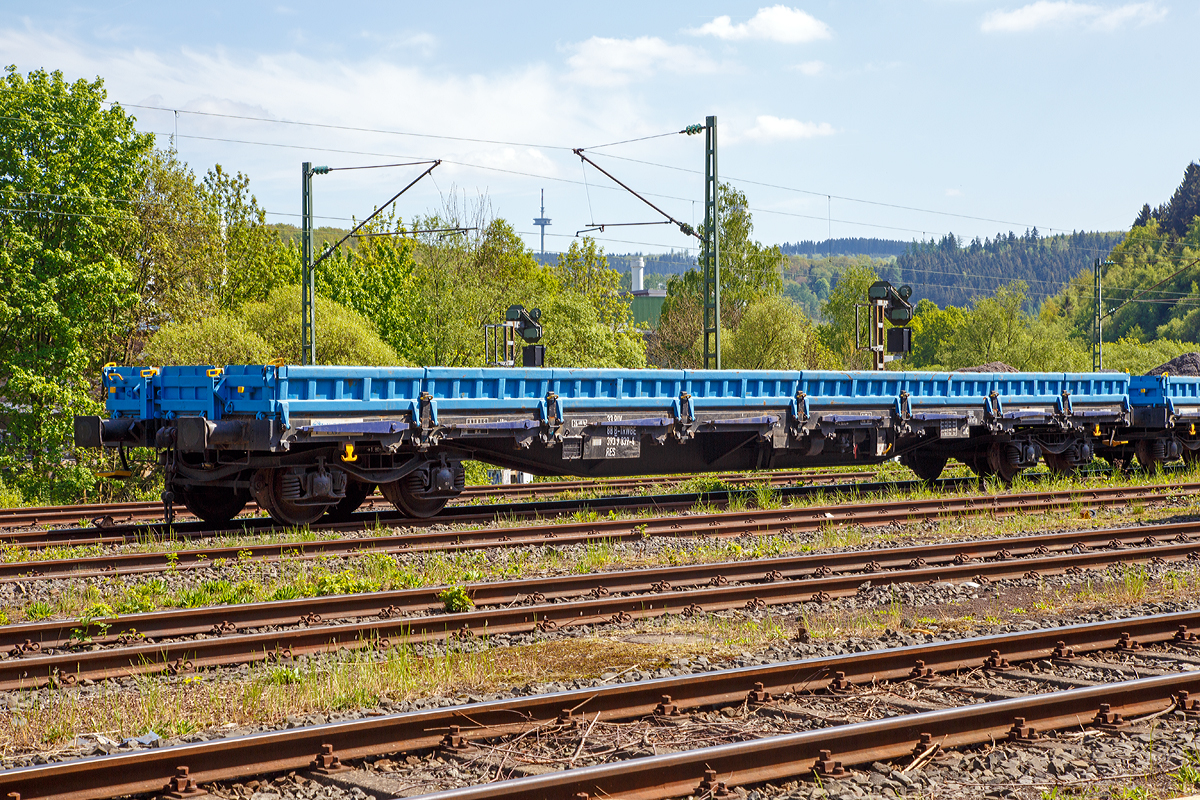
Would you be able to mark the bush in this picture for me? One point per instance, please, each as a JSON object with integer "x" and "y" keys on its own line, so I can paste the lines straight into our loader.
{"x": 219, "y": 340}
{"x": 270, "y": 329}
{"x": 343, "y": 336}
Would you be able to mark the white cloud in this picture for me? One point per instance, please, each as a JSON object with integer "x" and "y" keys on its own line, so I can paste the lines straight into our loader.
{"x": 529, "y": 103}
{"x": 1063, "y": 13}
{"x": 954, "y": 193}
{"x": 615, "y": 62}
{"x": 768, "y": 128}
{"x": 811, "y": 67}
{"x": 776, "y": 23}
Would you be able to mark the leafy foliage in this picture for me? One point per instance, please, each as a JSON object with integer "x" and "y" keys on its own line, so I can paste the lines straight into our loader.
{"x": 259, "y": 332}
{"x": 68, "y": 168}
{"x": 775, "y": 334}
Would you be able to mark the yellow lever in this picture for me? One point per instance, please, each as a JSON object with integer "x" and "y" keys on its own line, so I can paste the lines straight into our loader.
{"x": 349, "y": 454}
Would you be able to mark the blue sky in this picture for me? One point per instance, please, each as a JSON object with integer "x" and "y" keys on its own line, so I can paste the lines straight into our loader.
{"x": 1063, "y": 115}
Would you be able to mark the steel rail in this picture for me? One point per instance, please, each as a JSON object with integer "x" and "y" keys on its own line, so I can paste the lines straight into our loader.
{"x": 462, "y": 514}
{"x": 451, "y": 515}
{"x": 866, "y": 563}
{"x": 276, "y": 751}
{"x": 721, "y": 524}
{"x": 796, "y": 755}
{"x": 32, "y": 670}
{"x": 152, "y": 510}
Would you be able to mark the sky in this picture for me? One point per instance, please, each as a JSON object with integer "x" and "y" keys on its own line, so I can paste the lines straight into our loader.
{"x": 897, "y": 119}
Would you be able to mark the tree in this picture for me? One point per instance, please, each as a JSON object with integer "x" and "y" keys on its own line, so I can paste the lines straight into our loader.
{"x": 932, "y": 329}
{"x": 588, "y": 323}
{"x": 749, "y": 271}
{"x": 175, "y": 251}
{"x": 774, "y": 334}
{"x": 256, "y": 260}
{"x": 377, "y": 279}
{"x": 998, "y": 329}
{"x": 838, "y": 331}
{"x": 261, "y": 331}
{"x": 68, "y": 174}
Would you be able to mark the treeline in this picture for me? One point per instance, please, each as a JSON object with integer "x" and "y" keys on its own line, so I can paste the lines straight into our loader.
{"x": 1152, "y": 286}
{"x": 877, "y": 248}
{"x": 949, "y": 272}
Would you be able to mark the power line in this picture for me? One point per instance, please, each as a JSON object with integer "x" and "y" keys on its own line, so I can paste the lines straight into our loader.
{"x": 835, "y": 196}
{"x": 537, "y": 145}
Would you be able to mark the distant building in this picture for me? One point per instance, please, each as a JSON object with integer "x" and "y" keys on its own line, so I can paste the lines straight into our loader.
{"x": 646, "y": 304}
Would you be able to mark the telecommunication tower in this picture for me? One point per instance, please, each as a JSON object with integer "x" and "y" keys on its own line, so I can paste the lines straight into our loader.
{"x": 542, "y": 222}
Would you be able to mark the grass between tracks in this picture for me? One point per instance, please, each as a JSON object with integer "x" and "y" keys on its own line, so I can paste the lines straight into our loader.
{"x": 354, "y": 680}
{"x": 269, "y": 694}
{"x": 245, "y": 579}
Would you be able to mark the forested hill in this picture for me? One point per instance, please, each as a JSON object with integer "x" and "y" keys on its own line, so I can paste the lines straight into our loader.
{"x": 949, "y": 272}
{"x": 845, "y": 247}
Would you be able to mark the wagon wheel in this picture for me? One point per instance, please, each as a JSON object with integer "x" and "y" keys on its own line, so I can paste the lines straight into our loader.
{"x": 356, "y": 493}
{"x": 402, "y": 494}
{"x": 1147, "y": 455}
{"x": 1000, "y": 463}
{"x": 267, "y": 488}
{"x": 214, "y": 503}
{"x": 977, "y": 462}
{"x": 927, "y": 466}
{"x": 1059, "y": 463}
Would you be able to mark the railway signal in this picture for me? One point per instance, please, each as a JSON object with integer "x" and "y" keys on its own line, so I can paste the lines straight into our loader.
{"x": 890, "y": 304}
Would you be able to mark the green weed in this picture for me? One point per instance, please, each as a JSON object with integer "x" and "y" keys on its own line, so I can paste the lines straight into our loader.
{"x": 456, "y": 600}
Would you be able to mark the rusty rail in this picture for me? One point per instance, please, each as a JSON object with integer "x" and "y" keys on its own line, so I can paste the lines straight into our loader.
{"x": 723, "y": 524}
{"x": 327, "y": 609}
{"x": 153, "y": 510}
{"x": 30, "y": 669}
{"x": 235, "y": 758}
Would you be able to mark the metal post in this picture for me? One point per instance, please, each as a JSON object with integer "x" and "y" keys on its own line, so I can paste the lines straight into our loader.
{"x": 712, "y": 250}
{"x": 308, "y": 276}
{"x": 878, "y": 335}
{"x": 1097, "y": 322}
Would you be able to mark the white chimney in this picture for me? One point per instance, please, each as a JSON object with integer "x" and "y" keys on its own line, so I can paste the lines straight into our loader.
{"x": 639, "y": 270}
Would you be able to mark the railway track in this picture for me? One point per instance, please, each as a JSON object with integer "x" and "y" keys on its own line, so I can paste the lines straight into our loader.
{"x": 721, "y": 524}
{"x": 1166, "y": 639}
{"x": 487, "y": 514}
{"x": 405, "y": 617}
{"x": 122, "y": 513}
{"x": 53, "y": 634}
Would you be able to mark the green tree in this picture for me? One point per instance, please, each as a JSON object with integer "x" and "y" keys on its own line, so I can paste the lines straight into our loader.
{"x": 378, "y": 279}
{"x": 749, "y": 271}
{"x": 588, "y": 323}
{"x": 256, "y": 260}
{"x": 175, "y": 251}
{"x": 224, "y": 338}
{"x": 932, "y": 328}
{"x": 997, "y": 328}
{"x": 261, "y": 331}
{"x": 68, "y": 175}
{"x": 837, "y": 332}
{"x": 775, "y": 334}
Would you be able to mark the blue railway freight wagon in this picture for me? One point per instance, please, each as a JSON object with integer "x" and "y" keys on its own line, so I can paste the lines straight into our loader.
{"x": 305, "y": 442}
